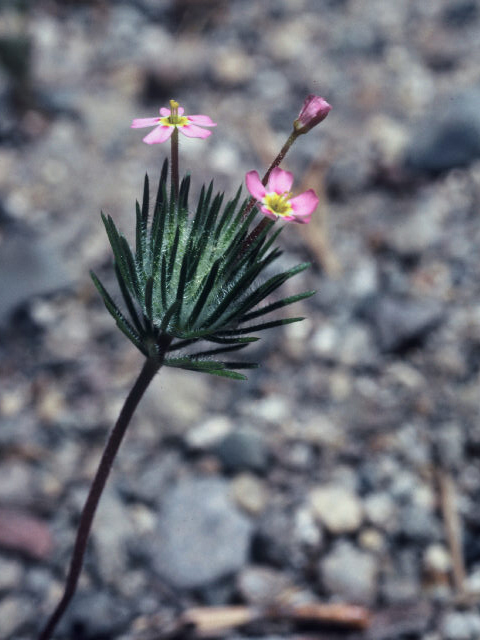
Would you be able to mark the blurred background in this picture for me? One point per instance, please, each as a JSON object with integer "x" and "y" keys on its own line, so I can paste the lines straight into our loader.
{"x": 348, "y": 466}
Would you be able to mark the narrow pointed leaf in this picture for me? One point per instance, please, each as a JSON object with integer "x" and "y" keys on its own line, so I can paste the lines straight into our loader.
{"x": 121, "y": 321}
{"x": 168, "y": 316}
{"x": 265, "y": 325}
{"x": 276, "y": 305}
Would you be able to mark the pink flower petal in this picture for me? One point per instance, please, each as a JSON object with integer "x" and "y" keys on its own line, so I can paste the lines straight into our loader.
{"x": 280, "y": 181}
{"x": 139, "y": 123}
{"x": 300, "y": 219}
{"x": 255, "y": 186}
{"x": 204, "y": 121}
{"x": 268, "y": 213}
{"x": 167, "y": 112}
{"x": 304, "y": 204}
{"x": 192, "y": 131}
{"x": 159, "y": 134}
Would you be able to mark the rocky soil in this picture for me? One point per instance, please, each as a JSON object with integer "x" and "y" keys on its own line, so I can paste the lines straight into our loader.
{"x": 331, "y": 470}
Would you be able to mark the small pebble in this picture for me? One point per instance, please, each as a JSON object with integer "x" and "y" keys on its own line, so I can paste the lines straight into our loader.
{"x": 338, "y": 509}
{"x": 250, "y": 493}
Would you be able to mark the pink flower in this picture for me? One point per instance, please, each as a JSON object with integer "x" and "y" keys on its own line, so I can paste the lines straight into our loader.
{"x": 314, "y": 110}
{"x": 173, "y": 118}
{"x": 276, "y": 198}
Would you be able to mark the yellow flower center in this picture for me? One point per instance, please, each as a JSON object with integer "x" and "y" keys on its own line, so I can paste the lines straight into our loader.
{"x": 278, "y": 203}
{"x": 174, "y": 120}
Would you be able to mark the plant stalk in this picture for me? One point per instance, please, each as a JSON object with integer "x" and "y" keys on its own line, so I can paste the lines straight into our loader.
{"x": 149, "y": 369}
{"x": 174, "y": 154}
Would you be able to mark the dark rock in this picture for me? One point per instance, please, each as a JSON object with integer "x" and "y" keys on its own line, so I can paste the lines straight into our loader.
{"x": 95, "y": 616}
{"x": 460, "y": 14}
{"x": 243, "y": 450}
{"x": 29, "y": 267}
{"x": 201, "y": 536}
{"x": 449, "y": 140}
{"x": 400, "y": 323}
{"x": 274, "y": 541}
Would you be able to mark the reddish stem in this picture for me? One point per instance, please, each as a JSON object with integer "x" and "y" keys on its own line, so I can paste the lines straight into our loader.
{"x": 149, "y": 369}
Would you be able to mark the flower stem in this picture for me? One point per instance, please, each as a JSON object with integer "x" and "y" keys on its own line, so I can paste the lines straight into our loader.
{"x": 283, "y": 152}
{"x": 174, "y": 153}
{"x": 149, "y": 369}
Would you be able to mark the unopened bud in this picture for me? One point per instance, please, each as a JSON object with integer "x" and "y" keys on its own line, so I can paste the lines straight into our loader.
{"x": 314, "y": 110}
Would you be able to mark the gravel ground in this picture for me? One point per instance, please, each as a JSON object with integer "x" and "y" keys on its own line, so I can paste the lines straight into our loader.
{"x": 329, "y": 470}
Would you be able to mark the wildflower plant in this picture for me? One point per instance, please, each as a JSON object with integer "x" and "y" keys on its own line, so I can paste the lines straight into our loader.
{"x": 194, "y": 288}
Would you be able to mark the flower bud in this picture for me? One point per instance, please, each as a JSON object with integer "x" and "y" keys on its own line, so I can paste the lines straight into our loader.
{"x": 314, "y": 110}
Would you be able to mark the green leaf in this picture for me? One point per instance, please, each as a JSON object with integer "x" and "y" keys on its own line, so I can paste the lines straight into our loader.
{"x": 226, "y": 373}
{"x": 121, "y": 321}
{"x": 140, "y": 238}
{"x": 181, "y": 344}
{"x": 213, "y": 352}
{"x": 148, "y": 298}
{"x": 163, "y": 282}
{"x": 145, "y": 202}
{"x": 228, "y": 213}
{"x": 241, "y": 365}
{"x": 128, "y": 256}
{"x": 238, "y": 340}
{"x": 276, "y": 305}
{"x": 261, "y": 327}
{"x": 173, "y": 254}
{"x": 129, "y": 302}
{"x": 168, "y": 316}
{"x": 114, "y": 239}
{"x": 206, "y": 290}
{"x": 183, "y": 193}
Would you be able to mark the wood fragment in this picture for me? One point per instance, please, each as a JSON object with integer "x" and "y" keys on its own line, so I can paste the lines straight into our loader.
{"x": 345, "y": 615}
{"x": 453, "y": 529}
{"x": 316, "y": 234}
{"x": 210, "y": 621}
{"x": 215, "y": 621}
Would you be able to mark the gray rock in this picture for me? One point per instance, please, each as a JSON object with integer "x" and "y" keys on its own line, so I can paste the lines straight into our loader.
{"x": 243, "y": 450}
{"x": 209, "y": 432}
{"x": 460, "y": 625}
{"x": 381, "y": 511}
{"x": 112, "y": 529}
{"x": 14, "y": 611}
{"x": 11, "y": 573}
{"x": 200, "y": 537}
{"x": 149, "y": 483}
{"x": 400, "y": 589}
{"x": 261, "y": 585}
{"x": 419, "y": 524}
{"x": 350, "y": 573}
{"x": 450, "y": 442}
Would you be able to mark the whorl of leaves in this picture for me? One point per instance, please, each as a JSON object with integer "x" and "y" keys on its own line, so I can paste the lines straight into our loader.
{"x": 194, "y": 278}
